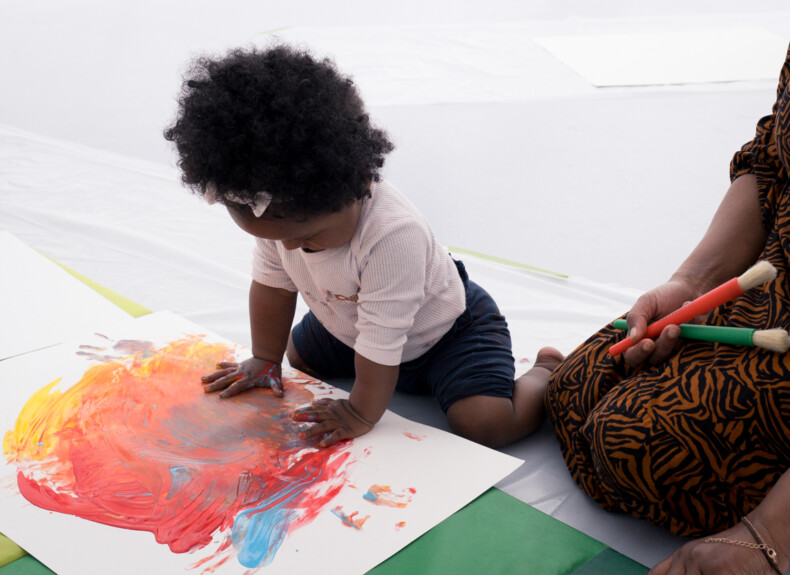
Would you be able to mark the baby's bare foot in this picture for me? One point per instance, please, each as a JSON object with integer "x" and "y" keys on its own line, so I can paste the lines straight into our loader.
{"x": 548, "y": 358}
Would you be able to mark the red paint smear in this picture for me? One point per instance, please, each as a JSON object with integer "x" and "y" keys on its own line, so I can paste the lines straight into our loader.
{"x": 413, "y": 436}
{"x": 137, "y": 444}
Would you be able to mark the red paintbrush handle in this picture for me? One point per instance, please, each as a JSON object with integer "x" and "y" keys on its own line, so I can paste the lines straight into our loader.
{"x": 703, "y": 304}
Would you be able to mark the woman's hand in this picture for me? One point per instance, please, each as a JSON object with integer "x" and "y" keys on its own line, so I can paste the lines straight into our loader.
{"x": 650, "y": 307}
{"x": 335, "y": 420}
{"x": 237, "y": 377}
{"x": 700, "y": 558}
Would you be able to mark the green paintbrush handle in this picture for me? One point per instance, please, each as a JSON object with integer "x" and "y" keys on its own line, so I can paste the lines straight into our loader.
{"x": 720, "y": 334}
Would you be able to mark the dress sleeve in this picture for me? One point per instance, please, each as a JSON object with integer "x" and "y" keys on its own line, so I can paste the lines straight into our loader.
{"x": 759, "y": 156}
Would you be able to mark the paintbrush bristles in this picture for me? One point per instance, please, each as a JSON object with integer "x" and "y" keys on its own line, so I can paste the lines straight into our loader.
{"x": 756, "y": 275}
{"x": 772, "y": 339}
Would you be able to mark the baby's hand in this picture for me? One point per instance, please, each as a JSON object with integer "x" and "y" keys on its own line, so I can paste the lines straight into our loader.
{"x": 237, "y": 377}
{"x": 335, "y": 420}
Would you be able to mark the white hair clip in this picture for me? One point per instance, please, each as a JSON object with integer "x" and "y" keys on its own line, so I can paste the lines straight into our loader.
{"x": 257, "y": 204}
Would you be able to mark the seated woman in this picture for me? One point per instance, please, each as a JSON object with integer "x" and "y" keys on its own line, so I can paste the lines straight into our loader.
{"x": 695, "y": 436}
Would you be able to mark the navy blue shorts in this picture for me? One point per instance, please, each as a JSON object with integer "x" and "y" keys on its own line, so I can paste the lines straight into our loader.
{"x": 474, "y": 358}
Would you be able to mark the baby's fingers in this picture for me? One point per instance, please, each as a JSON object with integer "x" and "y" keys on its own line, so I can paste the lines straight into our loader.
{"x": 338, "y": 435}
{"x": 277, "y": 386}
{"x": 317, "y": 430}
{"x": 223, "y": 382}
{"x": 218, "y": 374}
{"x": 306, "y": 414}
{"x": 237, "y": 385}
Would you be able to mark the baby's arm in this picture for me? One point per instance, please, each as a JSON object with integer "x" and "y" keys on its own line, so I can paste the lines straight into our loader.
{"x": 271, "y": 314}
{"x": 339, "y": 419}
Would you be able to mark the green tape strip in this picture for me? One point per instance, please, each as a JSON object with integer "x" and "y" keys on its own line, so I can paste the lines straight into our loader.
{"x": 511, "y": 263}
{"x": 131, "y": 307}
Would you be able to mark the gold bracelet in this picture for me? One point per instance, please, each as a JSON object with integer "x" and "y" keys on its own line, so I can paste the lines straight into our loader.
{"x": 769, "y": 552}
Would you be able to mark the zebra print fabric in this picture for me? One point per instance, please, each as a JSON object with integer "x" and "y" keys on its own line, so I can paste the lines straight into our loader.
{"x": 695, "y": 443}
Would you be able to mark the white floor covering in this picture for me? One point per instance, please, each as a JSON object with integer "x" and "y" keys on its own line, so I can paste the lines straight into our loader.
{"x": 514, "y": 157}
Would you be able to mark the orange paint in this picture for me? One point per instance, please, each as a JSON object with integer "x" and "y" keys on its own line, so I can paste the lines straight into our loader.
{"x": 383, "y": 495}
{"x": 136, "y": 444}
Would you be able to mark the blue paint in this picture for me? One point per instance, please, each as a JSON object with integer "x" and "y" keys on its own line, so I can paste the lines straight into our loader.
{"x": 258, "y": 532}
{"x": 181, "y": 476}
{"x": 345, "y": 518}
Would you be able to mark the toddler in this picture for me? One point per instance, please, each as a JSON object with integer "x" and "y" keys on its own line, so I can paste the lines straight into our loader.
{"x": 282, "y": 140}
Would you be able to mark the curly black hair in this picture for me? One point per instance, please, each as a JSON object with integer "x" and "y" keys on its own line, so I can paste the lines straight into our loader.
{"x": 276, "y": 120}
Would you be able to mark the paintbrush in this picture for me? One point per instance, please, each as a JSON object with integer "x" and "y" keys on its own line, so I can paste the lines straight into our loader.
{"x": 758, "y": 274}
{"x": 771, "y": 339}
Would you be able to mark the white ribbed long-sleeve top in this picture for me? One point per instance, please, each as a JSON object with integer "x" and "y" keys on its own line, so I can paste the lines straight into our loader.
{"x": 390, "y": 293}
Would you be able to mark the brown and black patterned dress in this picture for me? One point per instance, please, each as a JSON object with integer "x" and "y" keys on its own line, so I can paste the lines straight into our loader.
{"x": 697, "y": 442}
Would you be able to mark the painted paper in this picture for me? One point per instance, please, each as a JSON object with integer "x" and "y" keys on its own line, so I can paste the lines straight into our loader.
{"x": 110, "y": 439}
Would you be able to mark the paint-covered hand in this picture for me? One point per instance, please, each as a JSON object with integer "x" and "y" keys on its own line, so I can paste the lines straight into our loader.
{"x": 335, "y": 420}
{"x": 234, "y": 378}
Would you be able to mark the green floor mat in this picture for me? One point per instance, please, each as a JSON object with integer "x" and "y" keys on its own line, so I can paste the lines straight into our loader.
{"x": 27, "y": 565}
{"x": 496, "y": 533}
{"x": 610, "y": 561}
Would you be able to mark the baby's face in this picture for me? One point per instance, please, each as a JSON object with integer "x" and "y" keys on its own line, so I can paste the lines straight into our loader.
{"x": 312, "y": 235}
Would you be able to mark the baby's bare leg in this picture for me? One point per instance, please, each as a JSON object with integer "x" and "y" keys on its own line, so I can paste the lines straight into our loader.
{"x": 500, "y": 421}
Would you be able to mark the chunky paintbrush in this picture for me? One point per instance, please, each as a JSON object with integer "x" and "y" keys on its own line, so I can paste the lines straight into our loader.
{"x": 771, "y": 339}
{"x": 758, "y": 274}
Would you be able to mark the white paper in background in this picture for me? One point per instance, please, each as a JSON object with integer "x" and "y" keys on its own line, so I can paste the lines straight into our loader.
{"x": 430, "y": 64}
{"x": 41, "y": 304}
{"x": 106, "y": 430}
{"x": 671, "y": 57}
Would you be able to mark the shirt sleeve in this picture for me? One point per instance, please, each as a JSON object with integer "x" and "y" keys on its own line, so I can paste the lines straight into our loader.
{"x": 392, "y": 289}
{"x": 759, "y": 156}
{"x": 267, "y": 266}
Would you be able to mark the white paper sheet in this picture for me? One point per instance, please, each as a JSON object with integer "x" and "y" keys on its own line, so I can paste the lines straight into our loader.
{"x": 88, "y": 445}
{"x": 671, "y": 57}
{"x": 41, "y": 304}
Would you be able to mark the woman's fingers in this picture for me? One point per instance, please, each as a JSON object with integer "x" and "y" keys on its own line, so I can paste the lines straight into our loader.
{"x": 665, "y": 344}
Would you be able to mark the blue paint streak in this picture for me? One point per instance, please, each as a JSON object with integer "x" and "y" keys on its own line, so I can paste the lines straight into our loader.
{"x": 370, "y": 497}
{"x": 345, "y": 518}
{"x": 181, "y": 476}
{"x": 258, "y": 532}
